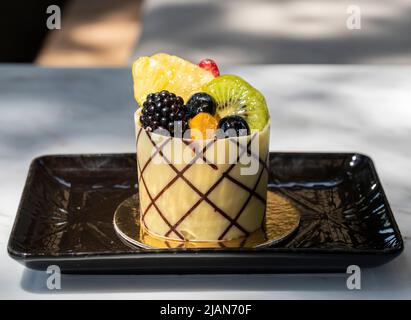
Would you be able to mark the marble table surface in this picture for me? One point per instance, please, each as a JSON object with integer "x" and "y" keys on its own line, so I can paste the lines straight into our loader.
{"x": 365, "y": 109}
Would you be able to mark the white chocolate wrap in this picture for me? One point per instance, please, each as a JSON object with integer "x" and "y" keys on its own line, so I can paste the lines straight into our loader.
{"x": 215, "y": 195}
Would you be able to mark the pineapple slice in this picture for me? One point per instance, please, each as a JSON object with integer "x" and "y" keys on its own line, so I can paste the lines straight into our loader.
{"x": 166, "y": 72}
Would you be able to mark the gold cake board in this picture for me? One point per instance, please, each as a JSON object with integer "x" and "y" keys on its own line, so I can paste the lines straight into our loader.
{"x": 282, "y": 220}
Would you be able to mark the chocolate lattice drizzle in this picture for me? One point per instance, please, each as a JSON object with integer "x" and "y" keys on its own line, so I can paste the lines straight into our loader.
{"x": 203, "y": 196}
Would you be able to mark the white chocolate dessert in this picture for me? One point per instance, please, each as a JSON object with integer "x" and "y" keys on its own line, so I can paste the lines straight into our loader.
{"x": 211, "y": 184}
{"x": 199, "y": 200}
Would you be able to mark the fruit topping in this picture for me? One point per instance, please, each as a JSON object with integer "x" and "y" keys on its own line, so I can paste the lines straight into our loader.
{"x": 203, "y": 126}
{"x": 166, "y": 72}
{"x": 234, "y": 96}
{"x": 233, "y": 126}
{"x": 200, "y": 102}
{"x": 160, "y": 111}
{"x": 210, "y": 65}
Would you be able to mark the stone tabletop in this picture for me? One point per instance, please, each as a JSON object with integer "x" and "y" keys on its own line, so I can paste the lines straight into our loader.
{"x": 365, "y": 109}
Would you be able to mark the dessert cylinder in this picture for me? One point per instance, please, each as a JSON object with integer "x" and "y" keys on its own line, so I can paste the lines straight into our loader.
{"x": 201, "y": 190}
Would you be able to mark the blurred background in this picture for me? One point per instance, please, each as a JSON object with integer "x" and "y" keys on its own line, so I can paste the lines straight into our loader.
{"x": 114, "y": 32}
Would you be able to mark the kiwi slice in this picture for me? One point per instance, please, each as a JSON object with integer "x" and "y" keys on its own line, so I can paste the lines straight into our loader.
{"x": 234, "y": 96}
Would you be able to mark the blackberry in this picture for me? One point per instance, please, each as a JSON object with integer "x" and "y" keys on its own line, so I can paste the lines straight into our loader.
{"x": 161, "y": 110}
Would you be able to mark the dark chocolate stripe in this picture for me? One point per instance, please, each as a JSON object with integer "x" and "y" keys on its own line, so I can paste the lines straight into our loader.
{"x": 257, "y": 195}
{"x": 158, "y": 209}
{"x": 250, "y": 195}
{"x": 211, "y": 165}
{"x": 162, "y": 145}
{"x": 179, "y": 173}
{"x": 242, "y": 244}
{"x": 252, "y": 154}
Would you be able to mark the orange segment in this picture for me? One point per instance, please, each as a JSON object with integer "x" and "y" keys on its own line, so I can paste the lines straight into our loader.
{"x": 203, "y": 126}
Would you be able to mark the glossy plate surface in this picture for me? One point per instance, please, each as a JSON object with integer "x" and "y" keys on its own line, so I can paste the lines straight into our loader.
{"x": 66, "y": 217}
{"x": 282, "y": 220}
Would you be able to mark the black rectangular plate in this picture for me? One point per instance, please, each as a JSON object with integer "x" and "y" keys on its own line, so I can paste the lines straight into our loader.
{"x": 66, "y": 212}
